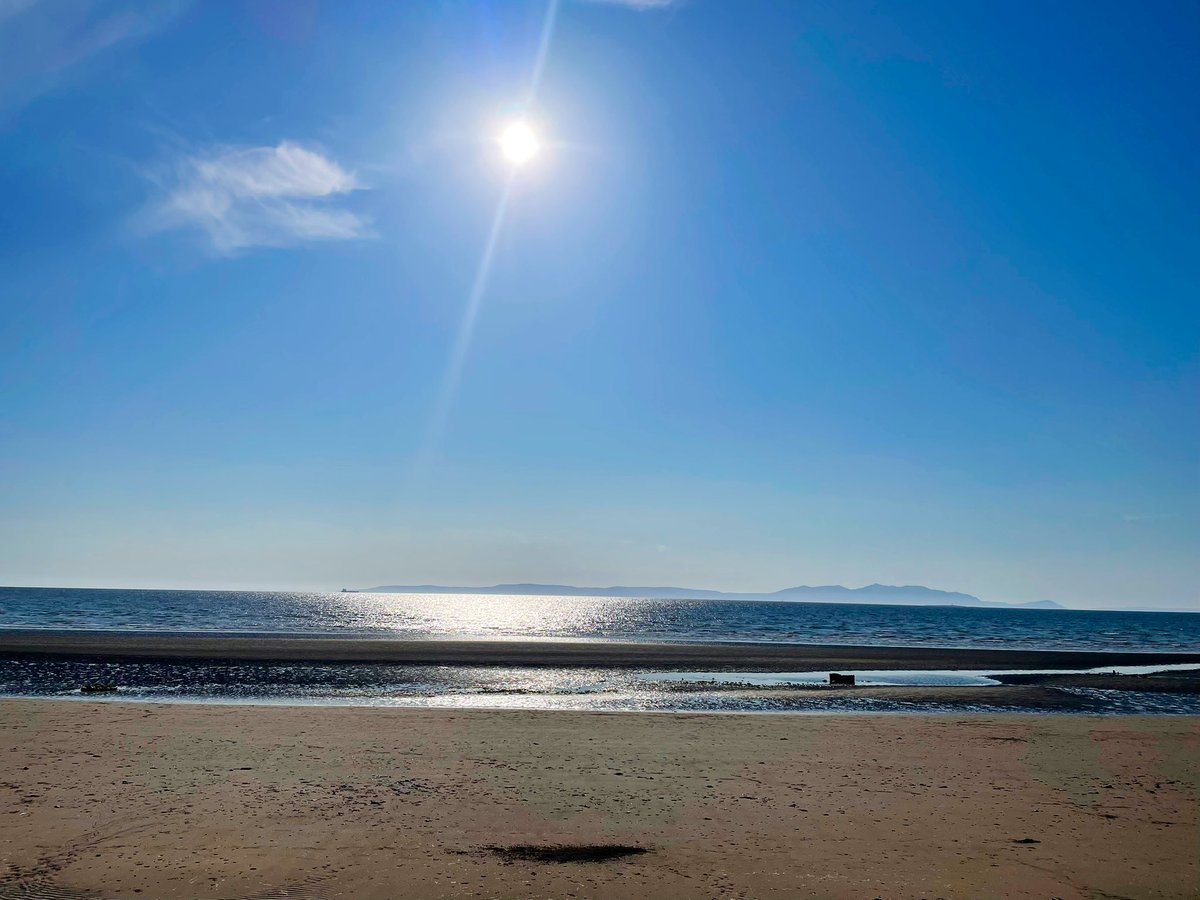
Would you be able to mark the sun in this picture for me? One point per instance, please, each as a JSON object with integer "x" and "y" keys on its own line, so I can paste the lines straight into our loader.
{"x": 518, "y": 143}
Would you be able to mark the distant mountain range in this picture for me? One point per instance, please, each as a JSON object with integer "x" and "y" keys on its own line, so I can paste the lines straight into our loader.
{"x": 900, "y": 595}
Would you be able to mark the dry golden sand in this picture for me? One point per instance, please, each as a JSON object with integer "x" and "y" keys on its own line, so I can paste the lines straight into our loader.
{"x": 128, "y": 800}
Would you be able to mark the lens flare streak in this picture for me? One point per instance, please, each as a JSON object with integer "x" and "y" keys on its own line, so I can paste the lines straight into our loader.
{"x": 462, "y": 343}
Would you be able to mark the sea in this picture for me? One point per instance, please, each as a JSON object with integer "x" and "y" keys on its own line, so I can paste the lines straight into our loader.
{"x": 551, "y": 618}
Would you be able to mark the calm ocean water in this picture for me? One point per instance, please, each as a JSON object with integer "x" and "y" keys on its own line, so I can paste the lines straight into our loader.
{"x": 432, "y": 616}
{"x": 417, "y": 616}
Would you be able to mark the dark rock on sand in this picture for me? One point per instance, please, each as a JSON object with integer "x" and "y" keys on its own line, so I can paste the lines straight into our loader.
{"x": 98, "y": 688}
{"x": 566, "y": 853}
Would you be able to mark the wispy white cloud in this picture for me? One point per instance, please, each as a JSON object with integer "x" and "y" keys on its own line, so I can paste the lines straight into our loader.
{"x": 41, "y": 41}
{"x": 10, "y": 8}
{"x": 242, "y": 197}
{"x": 639, "y": 4}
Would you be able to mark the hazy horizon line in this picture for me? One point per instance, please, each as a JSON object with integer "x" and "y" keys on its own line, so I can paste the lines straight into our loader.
{"x": 745, "y": 596}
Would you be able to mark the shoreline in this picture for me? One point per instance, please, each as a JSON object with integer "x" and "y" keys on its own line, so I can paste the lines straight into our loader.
{"x": 1025, "y": 695}
{"x": 747, "y": 657}
{"x": 922, "y": 700}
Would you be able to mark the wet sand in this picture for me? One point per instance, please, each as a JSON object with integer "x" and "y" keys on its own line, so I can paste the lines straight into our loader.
{"x": 922, "y": 699}
{"x": 139, "y": 800}
{"x": 748, "y": 657}
{"x": 1186, "y": 682}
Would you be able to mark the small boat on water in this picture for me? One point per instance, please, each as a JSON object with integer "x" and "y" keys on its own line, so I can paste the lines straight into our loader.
{"x": 348, "y": 591}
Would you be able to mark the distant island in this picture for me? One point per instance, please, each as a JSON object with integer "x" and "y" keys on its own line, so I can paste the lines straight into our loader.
{"x": 898, "y": 595}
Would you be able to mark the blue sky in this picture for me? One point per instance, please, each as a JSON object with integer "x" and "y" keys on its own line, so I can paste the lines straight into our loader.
{"x": 793, "y": 293}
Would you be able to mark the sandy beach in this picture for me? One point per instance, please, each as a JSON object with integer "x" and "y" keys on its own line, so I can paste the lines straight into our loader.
{"x": 125, "y": 800}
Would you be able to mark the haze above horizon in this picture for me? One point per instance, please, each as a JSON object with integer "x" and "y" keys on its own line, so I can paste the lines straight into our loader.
{"x": 602, "y": 292}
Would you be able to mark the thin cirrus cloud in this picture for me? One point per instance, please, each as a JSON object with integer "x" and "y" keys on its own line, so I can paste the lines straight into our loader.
{"x": 638, "y": 4}
{"x": 244, "y": 197}
{"x": 44, "y": 44}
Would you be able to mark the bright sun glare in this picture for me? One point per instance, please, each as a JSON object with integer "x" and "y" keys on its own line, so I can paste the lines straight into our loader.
{"x": 518, "y": 143}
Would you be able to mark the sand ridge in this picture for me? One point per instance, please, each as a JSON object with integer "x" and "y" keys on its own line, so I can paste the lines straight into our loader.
{"x": 739, "y": 656}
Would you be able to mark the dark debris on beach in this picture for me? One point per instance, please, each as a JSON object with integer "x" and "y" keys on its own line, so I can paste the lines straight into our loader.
{"x": 565, "y": 853}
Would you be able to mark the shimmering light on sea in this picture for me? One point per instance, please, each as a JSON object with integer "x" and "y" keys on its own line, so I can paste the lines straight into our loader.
{"x": 543, "y": 617}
